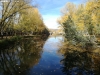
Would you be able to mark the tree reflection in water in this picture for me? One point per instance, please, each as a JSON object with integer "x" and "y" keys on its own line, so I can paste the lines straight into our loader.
{"x": 76, "y": 62}
{"x": 20, "y": 56}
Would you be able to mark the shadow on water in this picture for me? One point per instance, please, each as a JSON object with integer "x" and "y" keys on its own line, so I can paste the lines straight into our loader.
{"x": 21, "y": 56}
{"x": 76, "y": 62}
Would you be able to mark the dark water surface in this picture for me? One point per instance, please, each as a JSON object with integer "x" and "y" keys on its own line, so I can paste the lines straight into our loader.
{"x": 32, "y": 57}
{"x": 49, "y": 63}
{"x": 39, "y": 56}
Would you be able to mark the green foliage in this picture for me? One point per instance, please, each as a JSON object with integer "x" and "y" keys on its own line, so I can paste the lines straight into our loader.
{"x": 20, "y": 17}
{"x": 69, "y": 29}
{"x": 82, "y": 25}
{"x": 30, "y": 20}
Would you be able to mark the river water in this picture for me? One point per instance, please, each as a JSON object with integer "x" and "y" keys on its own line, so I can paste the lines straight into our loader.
{"x": 36, "y": 56}
{"x": 29, "y": 57}
{"x": 49, "y": 63}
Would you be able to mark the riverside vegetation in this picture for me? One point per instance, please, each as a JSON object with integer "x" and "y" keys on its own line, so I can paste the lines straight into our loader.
{"x": 81, "y": 46}
{"x": 25, "y": 50}
{"x": 20, "y": 17}
{"x": 81, "y": 23}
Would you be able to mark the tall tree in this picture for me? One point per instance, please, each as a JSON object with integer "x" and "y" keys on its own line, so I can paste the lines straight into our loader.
{"x": 9, "y": 9}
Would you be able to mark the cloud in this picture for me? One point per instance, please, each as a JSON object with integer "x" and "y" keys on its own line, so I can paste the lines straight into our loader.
{"x": 51, "y": 21}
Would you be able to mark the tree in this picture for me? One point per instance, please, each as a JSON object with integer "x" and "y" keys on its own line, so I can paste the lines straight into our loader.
{"x": 9, "y": 10}
{"x": 80, "y": 23}
{"x": 30, "y": 21}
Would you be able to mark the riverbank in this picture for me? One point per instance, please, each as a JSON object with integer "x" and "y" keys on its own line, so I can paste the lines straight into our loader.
{"x": 5, "y": 43}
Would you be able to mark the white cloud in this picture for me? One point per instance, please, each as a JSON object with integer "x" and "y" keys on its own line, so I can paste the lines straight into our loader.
{"x": 51, "y": 21}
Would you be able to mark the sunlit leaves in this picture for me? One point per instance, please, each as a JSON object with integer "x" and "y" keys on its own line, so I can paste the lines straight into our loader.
{"x": 30, "y": 20}
{"x": 9, "y": 9}
{"x": 83, "y": 22}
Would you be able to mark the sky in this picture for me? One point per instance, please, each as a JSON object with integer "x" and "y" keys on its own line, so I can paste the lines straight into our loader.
{"x": 50, "y": 10}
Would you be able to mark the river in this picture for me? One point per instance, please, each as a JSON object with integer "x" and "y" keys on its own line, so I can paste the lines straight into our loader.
{"x": 33, "y": 58}
{"x": 36, "y": 56}
{"x": 49, "y": 63}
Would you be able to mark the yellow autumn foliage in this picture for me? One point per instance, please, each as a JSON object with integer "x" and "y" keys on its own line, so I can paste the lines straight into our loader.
{"x": 85, "y": 16}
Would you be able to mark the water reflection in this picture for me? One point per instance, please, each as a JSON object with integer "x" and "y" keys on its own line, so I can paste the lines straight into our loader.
{"x": 34, "y": 56}
{"x": 80, "y": 63}
{"x": 49, "y": 63}
{"x": 21, "y": 56}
